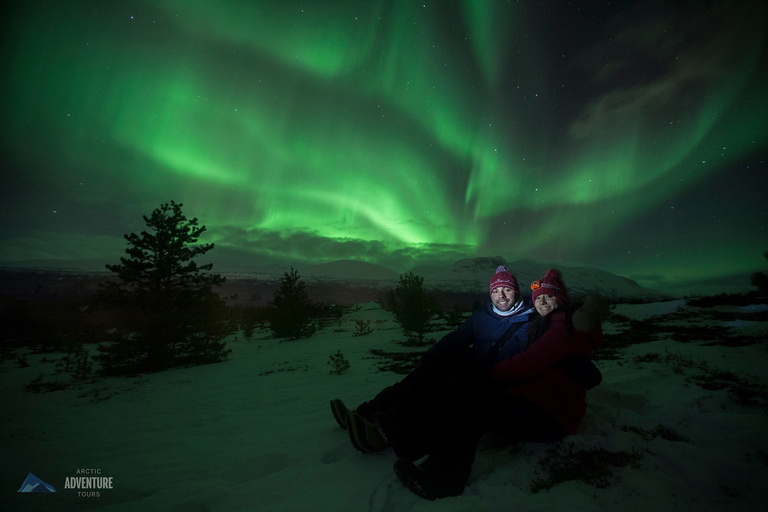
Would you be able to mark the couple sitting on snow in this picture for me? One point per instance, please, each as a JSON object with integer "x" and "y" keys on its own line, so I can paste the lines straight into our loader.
{"x": 513, "y": 369}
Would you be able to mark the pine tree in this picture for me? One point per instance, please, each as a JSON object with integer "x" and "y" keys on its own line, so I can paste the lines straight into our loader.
{"x": 292, "y": 312}
{"x": 169, "y": 314}
{"x": 760, "y": 280}
{"x": 413, "y": 306}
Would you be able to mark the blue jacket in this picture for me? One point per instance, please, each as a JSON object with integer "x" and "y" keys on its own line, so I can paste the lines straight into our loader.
{"x": 480, "y": 331}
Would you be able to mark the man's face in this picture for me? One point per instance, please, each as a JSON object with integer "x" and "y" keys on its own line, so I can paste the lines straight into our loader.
{"x": 503, "y": 297}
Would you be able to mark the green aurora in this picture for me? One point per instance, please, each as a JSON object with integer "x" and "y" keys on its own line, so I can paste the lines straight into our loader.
{"x": 628, "y": 138}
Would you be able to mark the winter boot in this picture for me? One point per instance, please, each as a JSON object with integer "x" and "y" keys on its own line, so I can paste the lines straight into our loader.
{"x": 340, "y": 413}
{"x": 423, "y": 483}
{"x": 364, "y": 435}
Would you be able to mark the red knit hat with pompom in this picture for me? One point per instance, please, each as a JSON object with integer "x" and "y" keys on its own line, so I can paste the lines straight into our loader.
{"x": 504, "y": 277}
{"x": 551, "y": 284}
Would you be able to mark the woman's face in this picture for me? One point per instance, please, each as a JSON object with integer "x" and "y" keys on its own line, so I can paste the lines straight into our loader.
{"x": 545, "y": 304}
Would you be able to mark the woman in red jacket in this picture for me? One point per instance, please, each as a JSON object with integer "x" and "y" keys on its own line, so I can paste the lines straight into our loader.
{"x": 545, "y": 388}
{"x": 553, "y": 338}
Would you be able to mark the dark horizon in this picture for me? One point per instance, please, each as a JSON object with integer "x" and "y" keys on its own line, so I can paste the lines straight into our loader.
{"x": 322, "y": 281}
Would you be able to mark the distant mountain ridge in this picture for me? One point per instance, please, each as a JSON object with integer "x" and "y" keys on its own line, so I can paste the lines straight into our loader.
{"x": 468, "y": 275}
{"x": 350, "y": 269}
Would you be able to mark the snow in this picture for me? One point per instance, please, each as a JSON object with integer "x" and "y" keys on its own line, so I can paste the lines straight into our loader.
{"x": 255, "y": 433}
{"x": 643, "y": 311}
{"x": 753, "y": 308}
{"x": 746, "y": 325}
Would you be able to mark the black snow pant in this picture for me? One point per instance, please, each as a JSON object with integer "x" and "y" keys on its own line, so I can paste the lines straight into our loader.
{"x": 472, "y": 407}
{"x": 411, "y": 392}
{"x": 443, "y": 408}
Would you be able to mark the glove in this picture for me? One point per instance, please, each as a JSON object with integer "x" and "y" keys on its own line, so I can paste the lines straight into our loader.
{"x": 581, "y": 370}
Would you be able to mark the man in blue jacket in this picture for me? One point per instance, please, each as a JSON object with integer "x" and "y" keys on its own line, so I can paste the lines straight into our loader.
{"x": 491, "y": 334}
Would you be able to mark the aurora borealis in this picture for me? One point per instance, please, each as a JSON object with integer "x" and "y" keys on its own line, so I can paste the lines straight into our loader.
{"x": 628, "y": 137}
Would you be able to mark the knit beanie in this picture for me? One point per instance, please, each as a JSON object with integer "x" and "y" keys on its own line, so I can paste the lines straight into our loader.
{"x": 504, "y": 277}
{"x": 551, "y": 284}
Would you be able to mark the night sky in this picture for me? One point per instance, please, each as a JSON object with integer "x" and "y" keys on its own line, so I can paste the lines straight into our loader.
{"x": 627, "y": 136}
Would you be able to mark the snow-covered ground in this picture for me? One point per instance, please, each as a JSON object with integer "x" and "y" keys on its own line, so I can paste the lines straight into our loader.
{"x": 255, "y": 433}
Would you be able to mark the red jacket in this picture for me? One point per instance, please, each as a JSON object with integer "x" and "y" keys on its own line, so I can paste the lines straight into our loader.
{"x": 533, "y": 374}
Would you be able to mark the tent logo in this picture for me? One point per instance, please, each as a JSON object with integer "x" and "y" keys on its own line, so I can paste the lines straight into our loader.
{"x": 34, "y": 484}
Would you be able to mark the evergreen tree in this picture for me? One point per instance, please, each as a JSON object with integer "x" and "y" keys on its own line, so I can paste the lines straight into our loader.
{"x": 760, "y": 279}
{"x": 292, "y": 312}
{"x": 169, "y": 314}
{"x": 413, "y": 306}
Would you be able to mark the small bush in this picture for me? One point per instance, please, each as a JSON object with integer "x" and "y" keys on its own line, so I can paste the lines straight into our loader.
{"x": 454, "y": 317}
{"x": 338, "y": 363}
{"x": 401, "y": 363}
{"x": 21, "y": 361}
{"x": 593, "y": 466}
{"x": 650, "y": 357}
{"x": 75, "y": 362}
{"x": 619, "y": 319}
{"x": 413, "y": 307}
{"x": 760, "y": 280}
{"x": 660, "y": 431}
{"x": 83, "y": 366}
{"x": 362, "y": 328}
{"x": 292, "y": 312}
{"x": 42, "y": 386}
{"x": 248, "y": 329}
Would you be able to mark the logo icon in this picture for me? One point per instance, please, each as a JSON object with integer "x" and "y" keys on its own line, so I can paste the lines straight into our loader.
{"x": 34, "y": 484}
